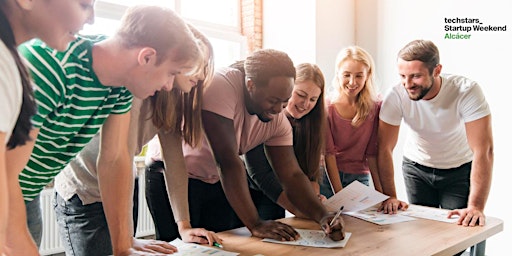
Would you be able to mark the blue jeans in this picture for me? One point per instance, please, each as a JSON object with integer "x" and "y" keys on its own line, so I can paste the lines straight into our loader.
{"x": 444, "y": 188}
{"x": 346, "y": 179}
{"x": 83, "y": 228}
{"x": 35, "y": 219}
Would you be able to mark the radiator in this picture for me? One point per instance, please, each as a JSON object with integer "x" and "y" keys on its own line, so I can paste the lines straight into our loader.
{"x": 51, "y": 243}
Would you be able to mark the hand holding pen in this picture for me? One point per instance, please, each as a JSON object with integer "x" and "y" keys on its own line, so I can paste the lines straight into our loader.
{"x": 335, "y": 228}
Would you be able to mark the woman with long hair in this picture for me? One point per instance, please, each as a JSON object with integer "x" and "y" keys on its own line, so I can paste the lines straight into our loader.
{"x": 55, "y": 22}
{"x": 353, "y": 118}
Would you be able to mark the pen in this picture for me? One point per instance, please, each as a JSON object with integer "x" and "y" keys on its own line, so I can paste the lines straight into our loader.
{"x": 218, "y": 245}
{"x": 336, "y": 216}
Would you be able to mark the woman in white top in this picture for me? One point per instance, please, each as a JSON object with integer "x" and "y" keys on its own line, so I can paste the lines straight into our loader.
{"x": 55, "y": 22}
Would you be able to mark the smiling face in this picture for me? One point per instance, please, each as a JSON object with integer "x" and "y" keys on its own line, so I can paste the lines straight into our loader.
{"x": 417, "y": 80}
{"x": 185, "y": 82}
{"x": 56, "y": 22}
{"x": 352, "y": 77}
{"x": 304, "y": 98}
{"x": 266, "y": 101}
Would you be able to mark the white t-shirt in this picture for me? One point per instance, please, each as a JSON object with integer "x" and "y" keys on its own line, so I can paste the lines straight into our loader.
{"x": 10, "y": 92}
{"x": 437, "y": 136}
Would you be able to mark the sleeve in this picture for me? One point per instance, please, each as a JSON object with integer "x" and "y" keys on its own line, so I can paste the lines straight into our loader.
{"x": 391, "y": 111}
{"x": 473, "y": 104}
{"x": 221, "y": 96}
{"x": 261, "y": 173}
{"x": 48, "y": 76}
{"x": 283, "y": 133}
{"x": 10, "y": 91}
{"x": 124, "y": 103}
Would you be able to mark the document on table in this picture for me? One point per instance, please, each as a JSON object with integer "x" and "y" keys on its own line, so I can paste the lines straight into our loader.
{"x": 372, "y": 215}
{"x": 361, "y": 201}
{"x": 430, "y": 213}
{"x": 355, "y": 197}
{"x": 192, "y": 249}
{"x": 313, "y": 238}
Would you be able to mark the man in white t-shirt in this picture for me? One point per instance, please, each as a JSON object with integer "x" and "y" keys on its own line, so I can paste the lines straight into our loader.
{"x": 448, "y": 154}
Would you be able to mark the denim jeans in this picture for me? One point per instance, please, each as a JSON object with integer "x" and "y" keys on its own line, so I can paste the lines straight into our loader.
{"x": 444, "y": 188}
{"x": 83, "y": 228}
{"x": 346, "y": 179}
{"x": 35, "y": 219}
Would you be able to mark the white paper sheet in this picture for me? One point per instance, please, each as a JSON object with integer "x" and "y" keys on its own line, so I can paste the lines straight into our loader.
{"x": 313, "y": 238}
{"x": 191, "y": 249}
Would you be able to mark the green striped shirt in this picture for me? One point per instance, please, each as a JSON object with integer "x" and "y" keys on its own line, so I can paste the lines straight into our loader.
{"x": 72, "y": 107}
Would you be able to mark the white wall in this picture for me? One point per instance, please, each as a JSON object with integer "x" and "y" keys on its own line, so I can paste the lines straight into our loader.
{"x": 383, "y": 27}
{"x": 304, "y": 30}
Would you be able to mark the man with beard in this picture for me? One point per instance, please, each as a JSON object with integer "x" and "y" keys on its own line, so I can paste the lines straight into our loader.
{"x": 448, "y": 154}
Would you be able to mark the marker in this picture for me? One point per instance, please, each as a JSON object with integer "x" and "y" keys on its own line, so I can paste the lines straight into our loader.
{"x": 218, "y": 245}
{"x": 336, "y": 216}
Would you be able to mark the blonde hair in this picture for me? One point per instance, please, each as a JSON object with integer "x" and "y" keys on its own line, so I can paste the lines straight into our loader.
{"x": 367, "y": 97}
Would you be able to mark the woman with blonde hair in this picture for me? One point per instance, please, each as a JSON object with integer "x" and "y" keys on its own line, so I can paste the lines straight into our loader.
{"x": 353, "y": 116}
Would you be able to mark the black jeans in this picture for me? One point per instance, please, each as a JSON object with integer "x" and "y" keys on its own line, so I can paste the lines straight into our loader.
{"x": 208, "y": 205}
{"x": 158, "y": 203}
{"x": 444, "y": 188}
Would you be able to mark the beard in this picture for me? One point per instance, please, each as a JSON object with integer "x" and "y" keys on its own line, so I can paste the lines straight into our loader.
{"x": 423, "y": 91}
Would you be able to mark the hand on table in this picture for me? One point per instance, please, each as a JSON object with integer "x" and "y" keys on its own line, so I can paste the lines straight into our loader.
{"x": 336, "y": 231}
{"x": 470, "y": 216}
{"x": 275, "y": 230}
{"x": 151, "y": 247}
{"x": 199, "y": 236}
{"x": 392, "y": 205}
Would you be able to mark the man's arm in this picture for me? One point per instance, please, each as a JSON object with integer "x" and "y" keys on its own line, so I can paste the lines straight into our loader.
{"x": 295, "y": 183}
{"x": 115, "y": 179}
{"x": 299, "y": 191}
{"x": 220, "y": 132}
{"x": 374, "y": 170}
{"x": 479, "y": 135}
{"x": 387, "y": 139}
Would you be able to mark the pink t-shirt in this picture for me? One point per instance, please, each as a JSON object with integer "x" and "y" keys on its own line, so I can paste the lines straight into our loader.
{"x": 352, "y": 145}
{"x": 225, "y": 97}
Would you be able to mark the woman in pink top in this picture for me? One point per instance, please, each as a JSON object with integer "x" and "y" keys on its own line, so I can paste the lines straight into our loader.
{"x": 353, "y": 115}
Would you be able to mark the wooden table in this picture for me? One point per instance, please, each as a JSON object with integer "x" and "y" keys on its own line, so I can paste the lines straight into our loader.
{"x": 418, "y": 237}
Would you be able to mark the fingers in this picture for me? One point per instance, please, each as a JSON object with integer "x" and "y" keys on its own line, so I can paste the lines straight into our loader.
{"x": 200, "y": 236}
{"x": 392, "y": 205}
{"x": 275, "y": 230}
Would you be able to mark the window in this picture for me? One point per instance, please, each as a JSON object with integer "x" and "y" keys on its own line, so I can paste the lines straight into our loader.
{"x": 219, "y": 20}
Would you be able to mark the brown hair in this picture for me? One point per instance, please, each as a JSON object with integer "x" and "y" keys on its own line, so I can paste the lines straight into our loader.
{"x": 308, "y": 137}
{"x": 20, "y": 133}
{"x": 159, "y": 28}
{"x": 422, "y": 50}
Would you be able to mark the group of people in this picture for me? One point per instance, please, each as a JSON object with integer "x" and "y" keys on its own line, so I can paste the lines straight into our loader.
{"x": 227, "y": 147}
